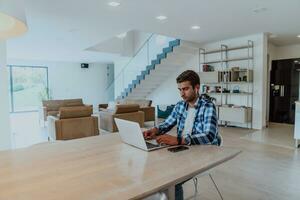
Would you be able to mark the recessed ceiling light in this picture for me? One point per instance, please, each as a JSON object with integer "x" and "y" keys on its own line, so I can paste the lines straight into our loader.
{"x": 298, "y": 36}
{"x": 161, "y": 17}
{"x": 195, "y": 27}
{"x": 114, "y": 4}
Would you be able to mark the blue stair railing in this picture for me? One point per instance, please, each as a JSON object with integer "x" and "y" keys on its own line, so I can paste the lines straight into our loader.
{"x": 149, "y": 55}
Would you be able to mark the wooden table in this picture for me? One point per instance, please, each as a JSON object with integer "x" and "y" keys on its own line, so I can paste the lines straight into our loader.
{"x": 99, "y": 167}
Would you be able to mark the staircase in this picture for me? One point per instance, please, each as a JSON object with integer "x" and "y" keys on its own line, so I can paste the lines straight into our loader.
{"x": 176, "y": 55}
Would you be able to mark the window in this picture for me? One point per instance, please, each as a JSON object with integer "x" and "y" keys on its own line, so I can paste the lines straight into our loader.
{"x": 28, "y": 87}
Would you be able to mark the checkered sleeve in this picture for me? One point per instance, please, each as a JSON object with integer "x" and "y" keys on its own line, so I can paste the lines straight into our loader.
{"x": 208, "y": 133}
{"x": 170, "y": 122}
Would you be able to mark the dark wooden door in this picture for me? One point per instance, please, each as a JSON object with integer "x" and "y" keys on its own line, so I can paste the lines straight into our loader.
{"x": 284, "y": 91}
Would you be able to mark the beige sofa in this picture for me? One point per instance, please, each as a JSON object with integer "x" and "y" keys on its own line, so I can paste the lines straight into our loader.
{"x": 73, "y": 122}
{"x": 129, "y": 112}
{"x": 51, "y": 107}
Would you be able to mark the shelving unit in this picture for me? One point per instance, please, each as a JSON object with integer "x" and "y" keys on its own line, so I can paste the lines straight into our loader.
{"x": 230, "y": 83}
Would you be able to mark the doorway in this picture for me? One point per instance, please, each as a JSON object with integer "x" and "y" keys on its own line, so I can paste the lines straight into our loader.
{"x": 284, "y": 90}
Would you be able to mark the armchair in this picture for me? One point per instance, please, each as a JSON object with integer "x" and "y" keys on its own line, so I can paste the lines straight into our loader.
{"x": 72, "y": 123}
{"x": 51, "y": 107}
{"x": 128, "y": 112}
{"x": 145, "y": 106}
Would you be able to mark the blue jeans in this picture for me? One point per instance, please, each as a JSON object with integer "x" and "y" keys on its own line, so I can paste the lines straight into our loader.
{"x": 179, "y": 191}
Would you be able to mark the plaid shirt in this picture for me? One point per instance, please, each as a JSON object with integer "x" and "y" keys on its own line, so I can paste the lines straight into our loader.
{"x": 205, "y": 128}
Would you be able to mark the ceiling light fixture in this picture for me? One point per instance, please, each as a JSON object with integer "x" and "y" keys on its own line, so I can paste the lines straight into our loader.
{"x": 298, "y": 36}
{"x": 12, "y": 19}
{"x": 114, "y": 3}
{"x": 161, "y": 17}
{"x": 195, "y": 27}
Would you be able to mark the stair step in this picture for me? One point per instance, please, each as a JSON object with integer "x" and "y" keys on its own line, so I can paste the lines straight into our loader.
{"x": 176, "y": 42}
{"x": 143, "y": 92}
{"x": 168, "y": 49}
{"x": 149, "y": 90}
{"x": 138, "y": 96}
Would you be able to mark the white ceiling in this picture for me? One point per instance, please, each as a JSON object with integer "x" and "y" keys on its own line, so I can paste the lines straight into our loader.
{"x": 61, "y": 30}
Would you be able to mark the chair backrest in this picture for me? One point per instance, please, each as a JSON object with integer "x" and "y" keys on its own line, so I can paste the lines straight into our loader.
{"x": 75, "y": 112}
{"x": 54, "y": 105}
{"x": 126, "y": 108}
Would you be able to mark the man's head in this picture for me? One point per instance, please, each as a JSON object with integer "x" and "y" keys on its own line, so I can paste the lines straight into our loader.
{"x": 188, "y": 85}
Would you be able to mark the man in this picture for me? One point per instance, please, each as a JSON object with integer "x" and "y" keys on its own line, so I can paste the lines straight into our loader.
{"x": 195, "y": 118}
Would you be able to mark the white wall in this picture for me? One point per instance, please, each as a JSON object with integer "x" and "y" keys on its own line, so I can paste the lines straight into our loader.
{"x": 287, "y": 52}
{"x": 167, "y": 93}
{"x": 5, "y": 132}
{"x": 272, "y": 56}
{"x": 69, "y": 80}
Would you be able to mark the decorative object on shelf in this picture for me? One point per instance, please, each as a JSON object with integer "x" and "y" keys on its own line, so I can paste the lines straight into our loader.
{"x": 235, "y": 68}
{"x": 236, "y": 89}
{"x": 207, "y": 68}
{"x": 218, "y": 89}
{"x": 226, "y": 90}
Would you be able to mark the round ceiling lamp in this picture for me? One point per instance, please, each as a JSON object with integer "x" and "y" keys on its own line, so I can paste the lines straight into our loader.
{"x": 12, "y": 19}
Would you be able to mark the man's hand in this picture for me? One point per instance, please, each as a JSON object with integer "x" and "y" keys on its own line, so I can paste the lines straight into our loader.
{"x": 150, "y": 134}
{"x": 167, "y": 139}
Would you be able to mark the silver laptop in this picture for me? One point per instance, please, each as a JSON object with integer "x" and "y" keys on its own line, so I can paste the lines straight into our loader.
{"x": 131, "y": 133}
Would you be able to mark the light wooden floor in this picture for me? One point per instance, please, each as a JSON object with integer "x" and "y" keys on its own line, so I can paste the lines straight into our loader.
{"x": 262, "y": 171}
{"x": 276, "y": 134}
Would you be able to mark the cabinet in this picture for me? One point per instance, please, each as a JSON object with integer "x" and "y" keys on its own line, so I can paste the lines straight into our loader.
{"x": 235, "y": 114}
{"x": 227, "y": 75}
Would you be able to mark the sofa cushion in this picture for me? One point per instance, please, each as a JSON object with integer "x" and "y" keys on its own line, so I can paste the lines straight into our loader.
{"x": 75, "y": 112}
{"x": 126, "y": 108}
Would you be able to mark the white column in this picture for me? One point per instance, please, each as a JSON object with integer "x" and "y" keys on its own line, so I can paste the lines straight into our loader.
{"x": 5, "y": 132}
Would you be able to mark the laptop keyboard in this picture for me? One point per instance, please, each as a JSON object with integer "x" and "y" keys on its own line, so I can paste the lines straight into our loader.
{"x": 150, "y": 146}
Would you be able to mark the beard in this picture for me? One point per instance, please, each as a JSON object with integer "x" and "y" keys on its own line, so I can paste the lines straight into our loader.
{"x": 190, "y": 98}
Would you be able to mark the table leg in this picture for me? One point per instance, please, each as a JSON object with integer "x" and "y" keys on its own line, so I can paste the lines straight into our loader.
{"x": 171, "y": 192}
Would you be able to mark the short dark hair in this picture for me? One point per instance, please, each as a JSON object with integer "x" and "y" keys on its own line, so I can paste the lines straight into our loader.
{"x": 189, "y": 75}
